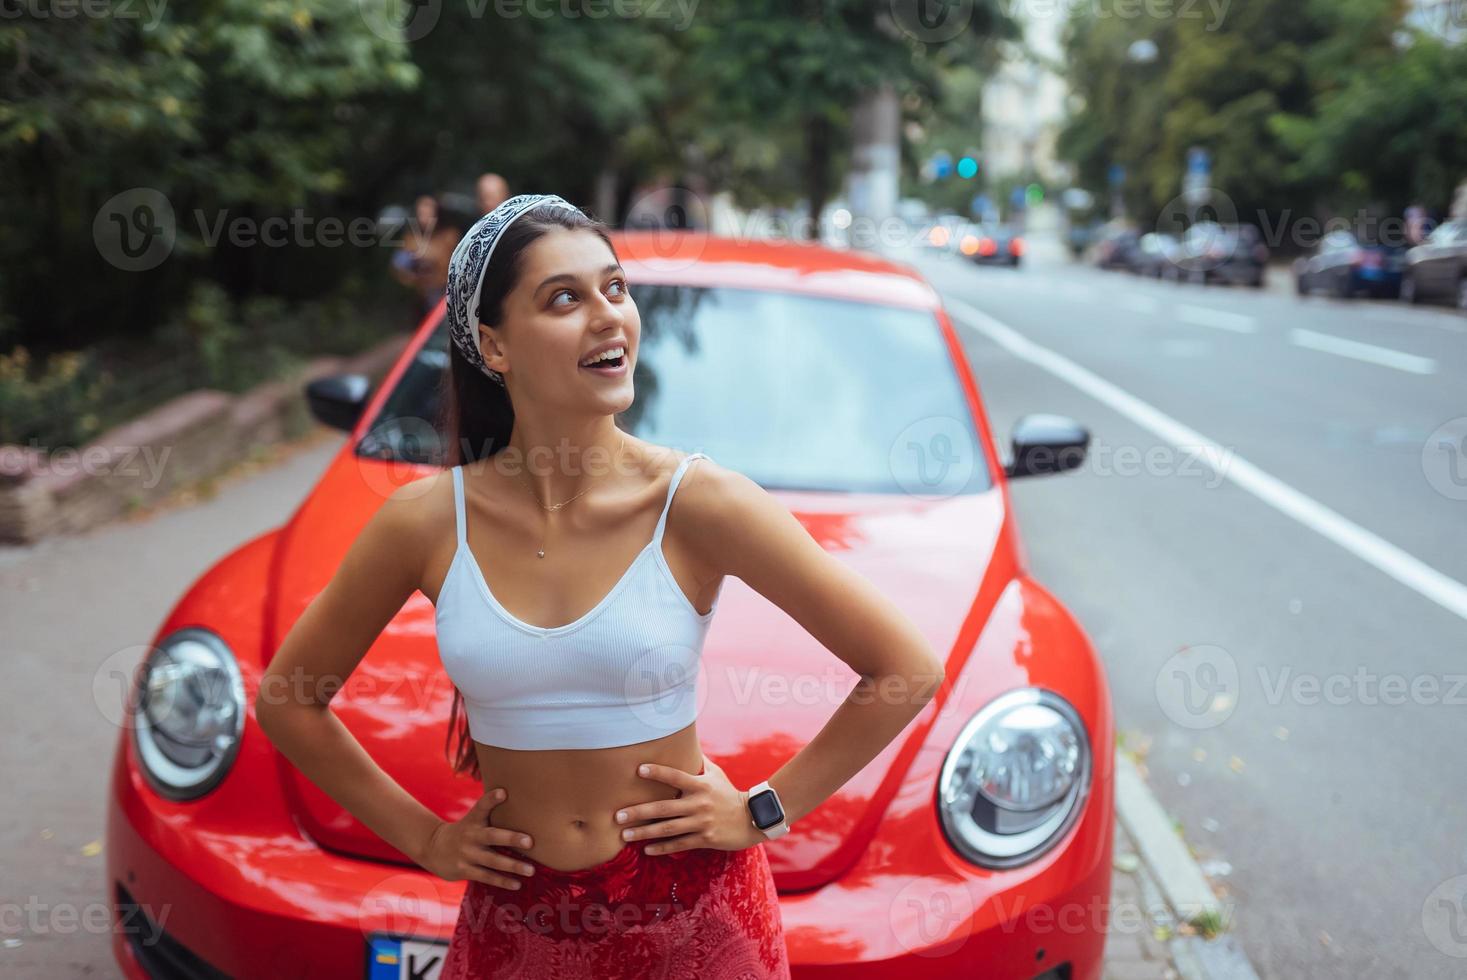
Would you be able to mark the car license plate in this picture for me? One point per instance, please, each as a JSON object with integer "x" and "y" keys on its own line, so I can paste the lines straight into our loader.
{"x": 393, "y": 958}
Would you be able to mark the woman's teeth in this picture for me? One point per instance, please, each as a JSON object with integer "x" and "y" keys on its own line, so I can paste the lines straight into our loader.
{"x": 613, "y": 355}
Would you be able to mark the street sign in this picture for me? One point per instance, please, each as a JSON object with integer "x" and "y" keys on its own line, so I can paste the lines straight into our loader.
{"x": 1197, "y": 183}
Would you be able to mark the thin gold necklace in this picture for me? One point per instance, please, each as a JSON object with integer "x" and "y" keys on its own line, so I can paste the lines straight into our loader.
{"x": 552, "y": 507}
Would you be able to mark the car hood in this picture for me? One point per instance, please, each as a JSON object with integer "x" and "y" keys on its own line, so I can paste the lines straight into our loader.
{"x": 770, "y": 686}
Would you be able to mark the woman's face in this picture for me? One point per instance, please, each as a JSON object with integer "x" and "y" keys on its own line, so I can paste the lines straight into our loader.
{"x": 570, "y": 301}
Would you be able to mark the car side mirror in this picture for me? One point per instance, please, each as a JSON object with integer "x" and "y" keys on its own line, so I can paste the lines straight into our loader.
{"x": 1046, "y": 444}
{"x": 337, "y": 400}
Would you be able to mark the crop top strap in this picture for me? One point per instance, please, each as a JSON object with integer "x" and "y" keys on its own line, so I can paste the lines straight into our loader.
{"x": 677, "y": 477}
{"x": 458, "y": 504}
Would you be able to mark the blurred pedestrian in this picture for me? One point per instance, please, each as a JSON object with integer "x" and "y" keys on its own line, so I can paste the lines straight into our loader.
{"x": 493, "y": 190}
{"x": 421, "y": 263}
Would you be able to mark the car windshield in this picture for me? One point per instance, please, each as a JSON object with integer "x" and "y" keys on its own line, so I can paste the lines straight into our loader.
{"x": 796, "y": 392}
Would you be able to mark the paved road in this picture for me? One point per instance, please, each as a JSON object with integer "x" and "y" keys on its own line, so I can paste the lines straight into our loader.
{"x": 69, "y": 605}
{"x": 1290, "y": 634}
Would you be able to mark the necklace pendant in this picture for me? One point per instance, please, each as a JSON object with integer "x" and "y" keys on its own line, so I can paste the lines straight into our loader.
{"x": 540, "y": 553}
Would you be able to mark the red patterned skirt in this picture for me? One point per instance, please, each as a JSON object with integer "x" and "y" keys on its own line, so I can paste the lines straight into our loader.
{"x": 700, "y": 914}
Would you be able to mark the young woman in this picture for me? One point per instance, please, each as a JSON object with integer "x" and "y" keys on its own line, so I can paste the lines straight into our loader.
{"x": 575, "y": 570}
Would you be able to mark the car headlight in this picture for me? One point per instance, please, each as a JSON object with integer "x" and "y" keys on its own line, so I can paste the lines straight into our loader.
{"x": 188, "y": 713}
{"x": 1015, "y": 779}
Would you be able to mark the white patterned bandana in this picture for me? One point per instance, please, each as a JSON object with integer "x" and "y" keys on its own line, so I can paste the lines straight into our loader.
{"x": 466, "y": 271}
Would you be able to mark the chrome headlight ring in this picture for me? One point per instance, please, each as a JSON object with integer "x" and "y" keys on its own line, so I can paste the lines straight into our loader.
{"x": 187, "y": 713}
{"x": 1015, "y": 779}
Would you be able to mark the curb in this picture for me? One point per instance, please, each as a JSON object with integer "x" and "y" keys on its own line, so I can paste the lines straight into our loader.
{"x": 1179, "y": 881}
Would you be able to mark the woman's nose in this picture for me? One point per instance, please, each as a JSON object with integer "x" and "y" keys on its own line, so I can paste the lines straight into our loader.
{"x": 607, "y": 314}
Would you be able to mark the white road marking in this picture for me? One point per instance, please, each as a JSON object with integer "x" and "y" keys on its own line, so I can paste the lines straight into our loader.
{"x": 1139, "y": 304}
{"x": 1369, "y": 353}
{"x": 1205, "y": 316}
{"x": 1405, "y": 568}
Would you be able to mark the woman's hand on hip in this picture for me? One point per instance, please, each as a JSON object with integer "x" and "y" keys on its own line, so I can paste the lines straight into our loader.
{"x": 461, "y": 849}
{"x": 708, "y": 812}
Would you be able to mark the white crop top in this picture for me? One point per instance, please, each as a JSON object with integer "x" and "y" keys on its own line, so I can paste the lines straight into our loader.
{"x": 624, "y": 672}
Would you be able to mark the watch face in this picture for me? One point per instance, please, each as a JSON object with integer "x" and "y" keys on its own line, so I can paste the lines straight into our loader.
{"x": 765, "y": 809}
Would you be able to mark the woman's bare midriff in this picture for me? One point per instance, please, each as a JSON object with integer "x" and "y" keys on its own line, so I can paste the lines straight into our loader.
{"x": 566, "y": 799}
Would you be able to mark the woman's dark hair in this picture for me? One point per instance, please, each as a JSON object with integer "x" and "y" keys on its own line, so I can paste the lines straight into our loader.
{"x": 477, "y": 417}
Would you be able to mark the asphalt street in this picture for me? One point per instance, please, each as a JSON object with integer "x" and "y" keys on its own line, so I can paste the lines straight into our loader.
{"x": 1283, "y": 626}
{"x": 78, "y": 612}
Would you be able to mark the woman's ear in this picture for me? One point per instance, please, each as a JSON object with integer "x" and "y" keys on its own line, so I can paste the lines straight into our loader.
{"x": 490, "y": 350}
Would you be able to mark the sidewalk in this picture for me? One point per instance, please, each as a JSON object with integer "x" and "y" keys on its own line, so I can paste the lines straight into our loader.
{"x": 1133, "y": 947}
{"x": 1158, "y": 892}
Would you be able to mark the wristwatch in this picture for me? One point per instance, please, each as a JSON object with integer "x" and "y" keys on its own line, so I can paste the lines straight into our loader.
{"x": 766, "y": 812}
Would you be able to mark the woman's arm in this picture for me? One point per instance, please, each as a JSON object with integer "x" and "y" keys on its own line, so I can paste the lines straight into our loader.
{"x": 748, "y": 533}
{"x": 379, "y": 572}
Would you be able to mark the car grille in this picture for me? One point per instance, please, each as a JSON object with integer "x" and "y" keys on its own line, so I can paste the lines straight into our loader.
{"x": 164, "y": 958}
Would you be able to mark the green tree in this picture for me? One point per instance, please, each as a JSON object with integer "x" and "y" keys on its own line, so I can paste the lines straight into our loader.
{"x": 225, "y": 107}
{"x": 775, "y": 66}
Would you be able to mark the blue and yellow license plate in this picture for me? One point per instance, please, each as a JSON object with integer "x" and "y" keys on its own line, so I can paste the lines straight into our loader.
{"x": 404, "y": 958}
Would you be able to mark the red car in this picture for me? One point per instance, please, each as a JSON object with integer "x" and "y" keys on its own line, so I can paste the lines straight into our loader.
{"x": 978, "y": 843}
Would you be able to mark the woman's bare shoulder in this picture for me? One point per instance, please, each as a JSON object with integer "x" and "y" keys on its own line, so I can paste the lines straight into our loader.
{"x": 417, "y": 514}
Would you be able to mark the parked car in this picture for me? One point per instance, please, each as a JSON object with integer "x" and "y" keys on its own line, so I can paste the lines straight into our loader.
{"x": 222, "y": 859}
{"x": 1213, "y": 252}
{"x": 1080, "y": 236}
{"x": 1344, "y": 266}
{"x": 1113, "y": 245}
{"x": 944, "y": 232}
{"x": 1154, "y": 255}
{"x": 1437, "y": 269}
{"x": 988, "y": 244}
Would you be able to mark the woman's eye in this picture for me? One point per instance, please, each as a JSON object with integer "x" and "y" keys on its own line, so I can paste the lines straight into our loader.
{"x": 555, "y": 300}
{"x": 619, "y": 287}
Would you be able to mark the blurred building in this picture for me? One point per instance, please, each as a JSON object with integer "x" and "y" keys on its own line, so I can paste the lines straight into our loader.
{"x": 1445, "y": 18}
{"x": 1024, "y": 103}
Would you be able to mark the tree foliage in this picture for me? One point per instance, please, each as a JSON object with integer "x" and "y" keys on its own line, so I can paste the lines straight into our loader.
{"x": 1302, "y": 104}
